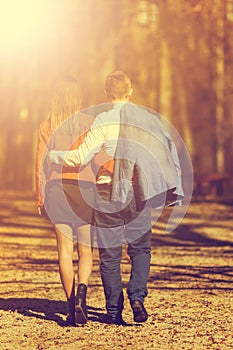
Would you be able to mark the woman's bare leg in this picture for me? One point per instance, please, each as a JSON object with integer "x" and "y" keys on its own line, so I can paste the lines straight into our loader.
{"x": 65, "y": 247}
{"x": 84, "y": 272}
{"x": 84, "y": 254}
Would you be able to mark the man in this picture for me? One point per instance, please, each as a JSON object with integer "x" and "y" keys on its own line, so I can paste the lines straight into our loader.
{"x": 118, "y": 212}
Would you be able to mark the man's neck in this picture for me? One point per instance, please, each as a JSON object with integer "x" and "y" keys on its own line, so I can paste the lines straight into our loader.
{"x": 120, "y": 100}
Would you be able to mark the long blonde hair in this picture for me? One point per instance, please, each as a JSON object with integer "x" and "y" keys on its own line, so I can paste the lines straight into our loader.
{"x": 66, "y": 101}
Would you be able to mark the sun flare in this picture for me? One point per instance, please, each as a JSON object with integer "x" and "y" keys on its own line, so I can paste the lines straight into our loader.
{"x": 23, "y": 23}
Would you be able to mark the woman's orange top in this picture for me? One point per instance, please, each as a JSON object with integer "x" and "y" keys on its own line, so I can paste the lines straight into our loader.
{"x": 86, "y": 173}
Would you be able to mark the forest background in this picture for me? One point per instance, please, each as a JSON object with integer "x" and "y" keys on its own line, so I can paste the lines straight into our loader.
{"x": 178, "y": 53}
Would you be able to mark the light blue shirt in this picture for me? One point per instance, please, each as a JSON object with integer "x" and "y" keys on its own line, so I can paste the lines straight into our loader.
{"x": 103, "y": 133}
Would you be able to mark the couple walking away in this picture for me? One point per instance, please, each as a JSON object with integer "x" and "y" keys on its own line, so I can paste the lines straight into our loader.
{"x": 98, "y": 175}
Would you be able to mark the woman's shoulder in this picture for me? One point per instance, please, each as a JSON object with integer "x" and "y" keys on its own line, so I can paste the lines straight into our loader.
{"x": 44, "y": 124}
{"x": 45, "y": 127}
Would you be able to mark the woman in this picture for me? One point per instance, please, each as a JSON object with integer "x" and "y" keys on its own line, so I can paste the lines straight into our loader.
{"x": 60, "y": 193}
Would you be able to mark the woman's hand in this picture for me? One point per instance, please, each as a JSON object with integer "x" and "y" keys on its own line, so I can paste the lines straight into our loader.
{"x": 42, "y": 211}
{"x": 39, "y": 208}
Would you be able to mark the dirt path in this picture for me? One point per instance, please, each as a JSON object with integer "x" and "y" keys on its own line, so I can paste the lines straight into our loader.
{"x": 190, "y": 299}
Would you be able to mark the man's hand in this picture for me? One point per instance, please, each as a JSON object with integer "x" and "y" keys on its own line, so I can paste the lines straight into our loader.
{"x": 57, "y": 157}
{"x": 39, "y": 210}
{"x": 66, "y": 158}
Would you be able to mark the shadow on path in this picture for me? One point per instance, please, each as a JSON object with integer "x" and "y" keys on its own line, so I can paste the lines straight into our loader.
{"x": 184, "y": 236}
{"x": 51, "y": 310}
{"x": 188, "y": 277}
{"x": 44, "y": 309}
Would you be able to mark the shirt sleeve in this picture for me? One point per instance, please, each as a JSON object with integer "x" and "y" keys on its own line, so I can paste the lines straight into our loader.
{"x": 91, "y": 145}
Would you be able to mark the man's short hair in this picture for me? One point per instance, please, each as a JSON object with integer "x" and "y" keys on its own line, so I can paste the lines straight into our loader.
{"x": 118, "y": 84}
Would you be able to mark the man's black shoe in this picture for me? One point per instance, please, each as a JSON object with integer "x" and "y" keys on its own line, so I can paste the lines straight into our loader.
{"x": 108, "y": 319}
{"x": 139, "y": 311}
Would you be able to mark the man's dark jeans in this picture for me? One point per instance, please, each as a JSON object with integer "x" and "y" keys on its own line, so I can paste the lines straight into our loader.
{"x": 113, "y": 230}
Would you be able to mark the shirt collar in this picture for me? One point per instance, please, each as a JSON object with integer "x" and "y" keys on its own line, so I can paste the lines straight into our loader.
{"x": 119, "y": 104}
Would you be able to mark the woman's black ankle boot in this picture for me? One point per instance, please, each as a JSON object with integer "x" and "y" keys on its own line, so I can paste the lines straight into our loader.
{"x": 80, "y": 304}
